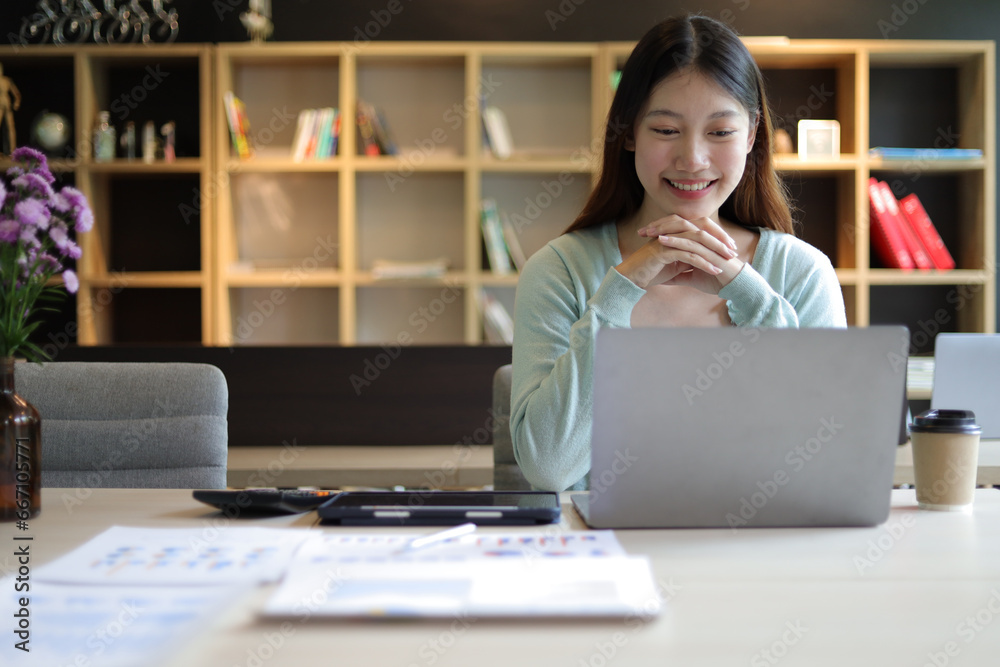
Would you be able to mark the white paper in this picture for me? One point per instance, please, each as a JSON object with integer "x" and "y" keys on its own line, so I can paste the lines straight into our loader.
{"x": 581, "y": 573}
{"x": 178, "y": 556}
{"x": 351, "y": 548}
{"x": 110, "y": 626}
{"x": 587, "y": 586}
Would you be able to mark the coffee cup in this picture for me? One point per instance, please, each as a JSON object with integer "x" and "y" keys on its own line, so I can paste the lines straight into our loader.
{"x": 945, "y": 459}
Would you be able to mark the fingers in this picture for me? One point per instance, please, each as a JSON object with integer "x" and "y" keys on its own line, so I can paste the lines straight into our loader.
{"x": 673, "y": 224}
{"x": 694, "y": 254}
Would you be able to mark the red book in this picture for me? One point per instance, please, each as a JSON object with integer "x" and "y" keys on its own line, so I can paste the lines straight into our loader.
{"x": 887, "y": 240}
{"x": 928, "y": 233}
{"x": 913, "y": 244}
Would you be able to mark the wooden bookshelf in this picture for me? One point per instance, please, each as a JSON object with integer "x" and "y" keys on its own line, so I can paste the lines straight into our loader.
{"x": 283, "y": 250}
{"x": 146, "y": 270}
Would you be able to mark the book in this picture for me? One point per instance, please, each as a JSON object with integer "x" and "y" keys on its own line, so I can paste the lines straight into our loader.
{"x": 239, "y": 125}
{"x": 386, "y": 269}
{"x": 913, "y": 244}
{"x": 892, "y": 153}
{"x": 496, "y": 248}
{"x": 366, "y": 129}
{"x": 498, "y": 325}
{"x": 921, "y": 223}
{"x": 513, "y": 242}
{"x": 887, "y": 240}
{"x": 303, "y": 131}
{"x": 497, "y": 132}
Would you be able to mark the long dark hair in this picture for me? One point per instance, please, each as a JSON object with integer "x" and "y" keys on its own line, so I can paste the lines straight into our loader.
{"x": 713, "y": 49}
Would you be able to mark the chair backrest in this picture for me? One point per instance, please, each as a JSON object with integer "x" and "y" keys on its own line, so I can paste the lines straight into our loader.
{"x": 507, "y": 475}
{"x": 129, "y": 425}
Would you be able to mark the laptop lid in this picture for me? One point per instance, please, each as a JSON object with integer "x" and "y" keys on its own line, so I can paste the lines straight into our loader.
{"x": 967, "y": 377}
{"x": 737, "y": 427}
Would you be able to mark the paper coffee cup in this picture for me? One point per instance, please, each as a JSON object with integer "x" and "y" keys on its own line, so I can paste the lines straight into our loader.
{"x": 945, "y": 459}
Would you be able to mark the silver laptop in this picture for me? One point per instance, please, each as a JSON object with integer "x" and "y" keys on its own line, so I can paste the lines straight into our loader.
{"x": 740, "y": 428}
{"x": 967, "y": 377}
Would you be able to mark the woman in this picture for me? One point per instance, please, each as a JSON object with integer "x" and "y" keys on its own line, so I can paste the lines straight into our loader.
{"x": 688, "y": 226}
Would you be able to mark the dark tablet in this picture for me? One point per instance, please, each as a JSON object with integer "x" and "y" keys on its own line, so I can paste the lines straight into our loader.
{"x": 443, "y": 508}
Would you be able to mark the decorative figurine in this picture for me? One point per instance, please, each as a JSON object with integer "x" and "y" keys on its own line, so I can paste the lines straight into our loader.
{"x": 169, "y": 132}
{"x": 257, "y": 20}
{"x": 128, "y": 140}
{"x": 149, "y": 142}
{"x": 10, "y": 101}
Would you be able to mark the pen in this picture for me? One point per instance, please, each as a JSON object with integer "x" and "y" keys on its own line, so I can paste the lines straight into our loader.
{"x": 435, "y": 538}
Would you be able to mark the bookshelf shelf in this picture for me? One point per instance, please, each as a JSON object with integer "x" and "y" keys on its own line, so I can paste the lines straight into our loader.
{"x": 231, "y": 238}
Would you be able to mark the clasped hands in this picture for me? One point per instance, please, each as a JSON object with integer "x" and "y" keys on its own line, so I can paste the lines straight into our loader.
{"x": 694, "y": 253}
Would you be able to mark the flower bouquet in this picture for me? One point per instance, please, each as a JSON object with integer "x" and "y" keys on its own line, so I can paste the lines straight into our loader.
{"x": 35, "y": 241}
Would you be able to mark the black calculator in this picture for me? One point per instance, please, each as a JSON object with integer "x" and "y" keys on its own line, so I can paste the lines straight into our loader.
{"x": 235, "y": 502}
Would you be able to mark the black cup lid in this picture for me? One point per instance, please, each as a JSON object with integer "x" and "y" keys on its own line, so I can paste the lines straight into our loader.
{"x": 946, "y": 421}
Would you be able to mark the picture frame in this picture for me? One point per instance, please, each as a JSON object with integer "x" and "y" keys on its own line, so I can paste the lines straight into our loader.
{"x": 818, "y": 139}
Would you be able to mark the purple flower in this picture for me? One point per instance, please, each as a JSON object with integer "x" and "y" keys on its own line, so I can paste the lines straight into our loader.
{"x": 62, "y": 240}
{"x": 84, "y": 219}
{"x": 59, "y": 202}
{"x": 9, "y": 230}
{"x": 74, "y": 197}
{"x": 30, "y": 155}
{"x": 32, "y": 182}
{"x": 71, "y": 281}
{"x": 32, "y": 213}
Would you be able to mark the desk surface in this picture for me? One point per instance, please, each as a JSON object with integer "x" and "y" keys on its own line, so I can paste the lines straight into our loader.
{"x": 922, "y": 584}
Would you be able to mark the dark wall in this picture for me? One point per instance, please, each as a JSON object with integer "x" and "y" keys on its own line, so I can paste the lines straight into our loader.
{"x": 570, "y": 20}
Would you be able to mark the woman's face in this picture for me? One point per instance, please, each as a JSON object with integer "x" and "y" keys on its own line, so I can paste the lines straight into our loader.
{"x": 691, "y": 143}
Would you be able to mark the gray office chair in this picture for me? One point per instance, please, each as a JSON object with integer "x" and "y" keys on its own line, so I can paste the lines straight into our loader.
{"x": 129, "y": 425}
{"x": 507, "y": 475}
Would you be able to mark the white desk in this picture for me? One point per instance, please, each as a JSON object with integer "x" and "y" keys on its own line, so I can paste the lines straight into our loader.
{"x": 888, "y": 595}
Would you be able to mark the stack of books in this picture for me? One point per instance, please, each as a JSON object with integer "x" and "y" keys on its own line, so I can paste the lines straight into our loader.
{"x": 316, "y": 134}
{"x": 902, "y": 233}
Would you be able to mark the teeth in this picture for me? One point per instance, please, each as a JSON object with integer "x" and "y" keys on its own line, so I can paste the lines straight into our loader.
{"x": 692, "y": 187}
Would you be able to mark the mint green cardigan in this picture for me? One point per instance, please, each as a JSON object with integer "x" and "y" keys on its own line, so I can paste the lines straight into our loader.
{"x": 570, "y": 288}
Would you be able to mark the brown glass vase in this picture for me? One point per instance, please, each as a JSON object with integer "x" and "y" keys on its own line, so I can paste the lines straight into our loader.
{"x": 20, "y": 451}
